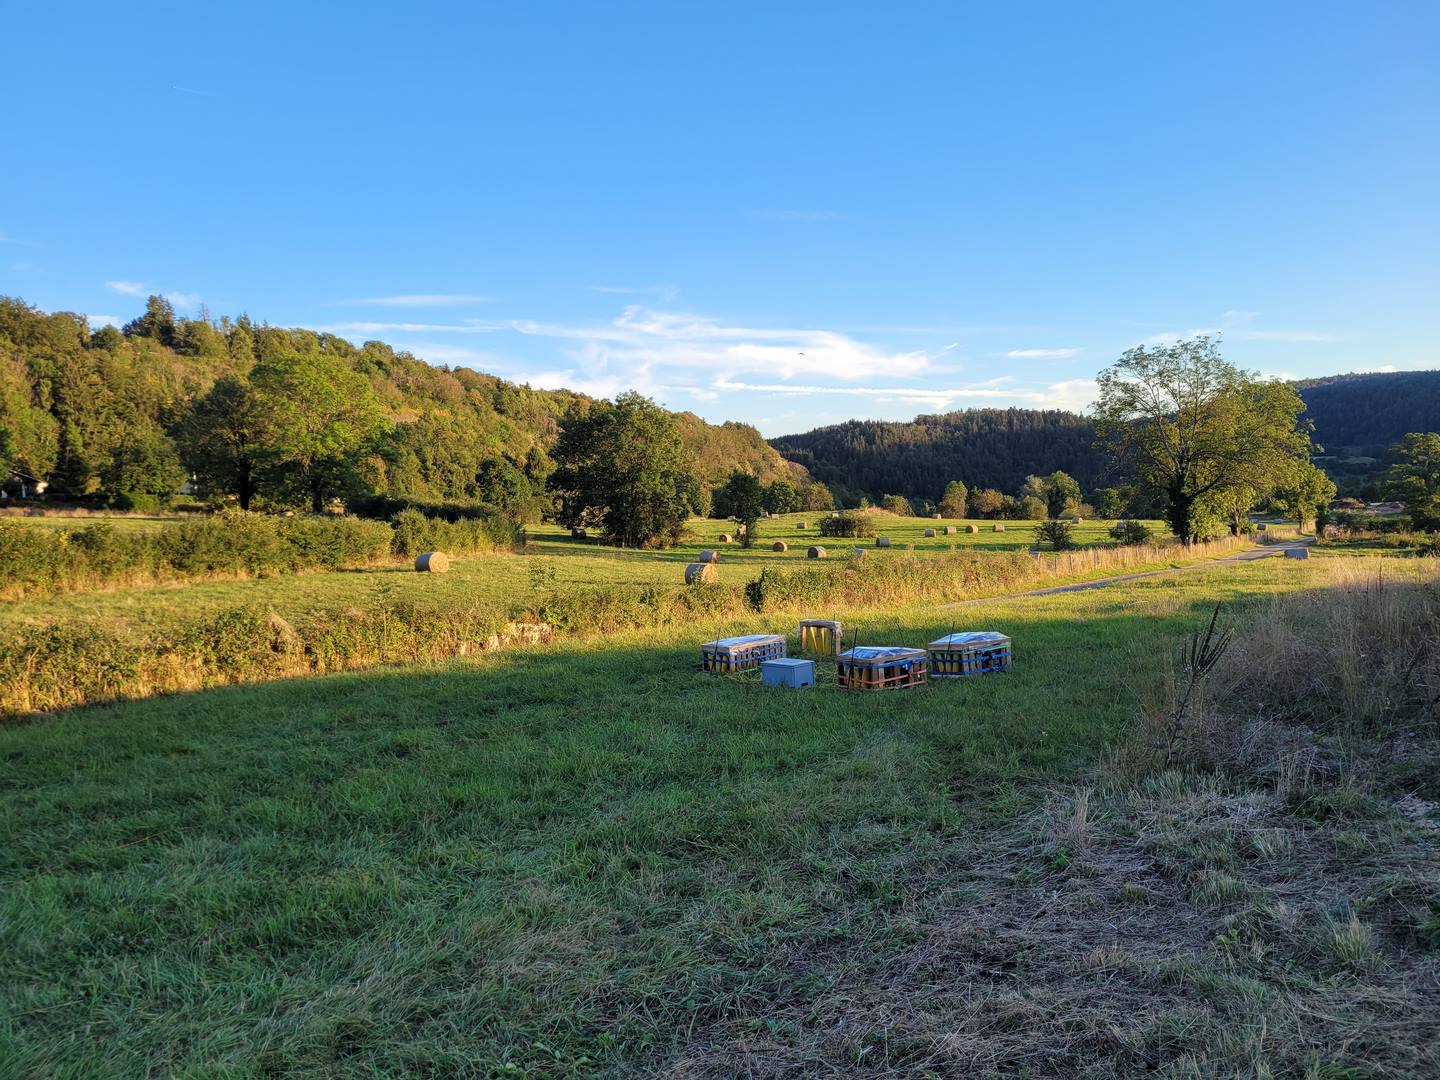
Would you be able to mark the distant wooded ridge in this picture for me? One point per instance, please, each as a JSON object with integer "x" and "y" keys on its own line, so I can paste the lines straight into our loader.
{"x": 1357, "y": 418}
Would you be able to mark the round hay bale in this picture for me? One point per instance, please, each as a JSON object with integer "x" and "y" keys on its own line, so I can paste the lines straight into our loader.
{"x": 949, "y": 530}
{"x": 1077, "y": 521}
{"x": 815, "y": 553}
{"x": 860, "y": 552}
{"x": 740, "y": 530}
{"x": 432, "y": 562}
{"x": 935, "y": 517}
{"x": 779, "y": 545}
{"x": 997, "y": 528}
{"x": 726, "y": 538}
{"x": 972, "y": 528}
{"x": 799, "y": 525}
{"x": 1261, "y": 527}
{"x": 929, "y": 532}
{"x": 1297, "y": 553}
{"x": 578, "y": 534}
{"x": 708, "y": 555}
{"x": 698, "y": 572}
{"x": 882, "y": 541}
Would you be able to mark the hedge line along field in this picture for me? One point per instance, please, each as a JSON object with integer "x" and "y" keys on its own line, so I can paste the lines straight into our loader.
{"x": 592, "y": 858}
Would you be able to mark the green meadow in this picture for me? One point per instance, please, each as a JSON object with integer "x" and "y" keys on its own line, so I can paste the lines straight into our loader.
{"x": 592, "y": 858}
{"x": 552, "y": 559}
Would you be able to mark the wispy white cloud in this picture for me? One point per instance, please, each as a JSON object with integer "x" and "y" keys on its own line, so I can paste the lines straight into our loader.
{"x": 183, "y": 299}
{"x": 1239, "y": 333}
{"x": 1042, "y": 354}
{"x": 418, "y": 300}
{"x": 665, "y": 293}
{"x": 467, "y": 326}
{"x": 97, "y": 321}
{"x": 641, "y": 340}
{"x": 1235, "y": 315}
{"x": 1073, "y": 394}
{"x": 126, "y": 288}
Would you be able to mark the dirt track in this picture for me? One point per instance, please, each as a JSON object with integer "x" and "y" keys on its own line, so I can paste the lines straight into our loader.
{"x": 1248, "y": 555}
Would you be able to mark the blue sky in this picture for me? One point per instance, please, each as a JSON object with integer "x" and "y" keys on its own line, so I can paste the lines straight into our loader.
{"x": 787, "y": 214}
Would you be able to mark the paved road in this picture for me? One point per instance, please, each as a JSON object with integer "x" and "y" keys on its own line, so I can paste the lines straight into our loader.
{"x": 1264, "y": 551}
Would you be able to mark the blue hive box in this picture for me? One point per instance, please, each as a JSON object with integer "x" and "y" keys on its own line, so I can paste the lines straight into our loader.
{"x": 788, "y": 673}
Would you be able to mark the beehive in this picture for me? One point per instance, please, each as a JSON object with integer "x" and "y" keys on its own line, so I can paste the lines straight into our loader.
{"x": 880, "y": 667}
{"x": 740, "y": 653}
{"x": 820, "y": 637}
{"x": 976, "y": 652}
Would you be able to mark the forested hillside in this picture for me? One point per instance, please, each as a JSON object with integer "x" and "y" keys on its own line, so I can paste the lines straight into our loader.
{"x": 110, "y": 415}
{"x": 1357, "y": 419}
{"x": 995, "y": 448}
{"x": 1374, "y": 409}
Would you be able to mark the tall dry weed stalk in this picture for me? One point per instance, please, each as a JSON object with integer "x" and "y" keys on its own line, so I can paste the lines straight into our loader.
{"x": 1202, "y": 654}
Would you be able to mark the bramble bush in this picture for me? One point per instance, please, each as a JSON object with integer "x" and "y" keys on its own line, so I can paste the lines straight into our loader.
{"x": 1057, "y": 533}
{"x": 847, "y": 523}
{"x": 1131, "y": 532}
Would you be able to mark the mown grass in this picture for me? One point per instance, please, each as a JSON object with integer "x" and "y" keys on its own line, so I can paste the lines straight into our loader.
{"x": 583, "y": 858}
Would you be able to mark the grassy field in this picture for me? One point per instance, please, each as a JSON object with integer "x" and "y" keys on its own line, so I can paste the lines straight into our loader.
{"x": 552, "y": 559}
{"x": 591, "y": 858}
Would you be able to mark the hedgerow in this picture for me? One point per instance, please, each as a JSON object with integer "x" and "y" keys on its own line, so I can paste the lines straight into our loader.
{"x": 36, "y": 561}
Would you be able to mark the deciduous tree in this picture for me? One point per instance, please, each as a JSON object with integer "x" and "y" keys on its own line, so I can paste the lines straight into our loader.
{"x": 1415, "y": 479}
{"x": 320, "y": 416}
{"x": 1190, "y": 424}
{"x": 623, "y": 466}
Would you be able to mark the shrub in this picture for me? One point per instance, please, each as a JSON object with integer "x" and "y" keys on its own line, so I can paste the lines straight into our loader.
{"x": 1131, "y": 532}
{"x": 847, "y": 523}
{"x": 1058, "y": 534}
